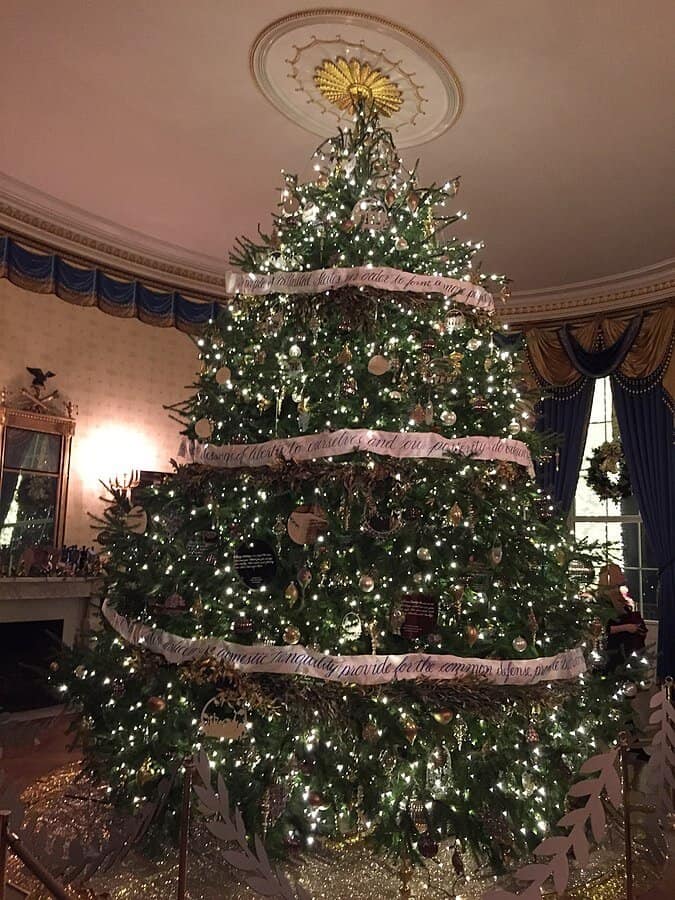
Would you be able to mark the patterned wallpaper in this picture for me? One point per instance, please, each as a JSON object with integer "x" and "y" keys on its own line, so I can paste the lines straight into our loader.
{"x": 119, "y": 372}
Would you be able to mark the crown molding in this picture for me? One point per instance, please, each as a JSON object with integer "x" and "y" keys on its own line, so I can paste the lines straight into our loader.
{"x": 50, "y": 224}
{"x": 53, "y": 224}
{"x": 624, "y": 291}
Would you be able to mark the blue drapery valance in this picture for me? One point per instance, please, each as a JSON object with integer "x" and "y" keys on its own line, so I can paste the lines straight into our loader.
{"x": 50, "y": 273}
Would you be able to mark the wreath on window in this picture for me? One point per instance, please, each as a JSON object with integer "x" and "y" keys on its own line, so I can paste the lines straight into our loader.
{"x": 608, "y": 473}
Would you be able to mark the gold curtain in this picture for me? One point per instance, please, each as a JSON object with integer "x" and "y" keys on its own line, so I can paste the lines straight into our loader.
{"x": 652, "y": 348}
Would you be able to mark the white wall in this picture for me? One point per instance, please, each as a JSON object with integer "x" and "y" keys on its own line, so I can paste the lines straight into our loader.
{"x": 119, "y": 372}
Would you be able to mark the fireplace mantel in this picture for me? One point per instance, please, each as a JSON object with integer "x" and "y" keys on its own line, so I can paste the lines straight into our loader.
{"x": 37, "y": 599}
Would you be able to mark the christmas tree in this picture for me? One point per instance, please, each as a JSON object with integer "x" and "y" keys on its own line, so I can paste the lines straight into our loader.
{"x": 393, "y": 521}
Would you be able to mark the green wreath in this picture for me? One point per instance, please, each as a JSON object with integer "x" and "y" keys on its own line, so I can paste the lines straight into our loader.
{"x": 608, "y": 460}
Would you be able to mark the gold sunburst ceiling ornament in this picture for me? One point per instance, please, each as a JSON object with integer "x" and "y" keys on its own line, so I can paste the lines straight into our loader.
{"x": 346, "y": 84}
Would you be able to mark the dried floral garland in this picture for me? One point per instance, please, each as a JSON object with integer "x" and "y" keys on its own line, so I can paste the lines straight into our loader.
{"x": 606, "y": 461}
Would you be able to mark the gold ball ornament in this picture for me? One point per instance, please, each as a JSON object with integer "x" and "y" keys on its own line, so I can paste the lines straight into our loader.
{"x": 453, "y": 187}
{"x": 514, "y": 428}
{"x": 443, "y": 716}
{"x": 370, "y": 733}
{"x": 630, "y": 689}
{"x": 291, "y": 593}
{"x": 54, "y": 666}
{"x": 203, "y": 428}
{"x": 367, "y": 583}
{"x": 519, "y": 644}
{"x": 596, "y": 628}
{"x": 291, "y": 635}
{"x": 456, "y": 515}
{"x": 418, "y": 415}
{"x": 322, "y": 181}
{"x": 410, "y": 730}
{"x": 223, "y": 375}
{"x": 401, "y": 243}
{"x": 413, "y": 201}
{"x": 80, "y": 671}
{"x": 145, "y": 774}
{"x": 532, "y": 735}
{"x": 448, "y": 417}
{"x": 418, "y": 578}
{"x": 473, "y": 344}
{"x": 344, "y": 357}
{"x": 424, "y": 553}
{"x": 155, "y": 704}
{"x": 471, "y": 634}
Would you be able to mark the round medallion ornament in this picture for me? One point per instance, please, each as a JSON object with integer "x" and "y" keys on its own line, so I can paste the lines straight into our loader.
{"x": 351, "y": 626}
{"x": 291, "y": 635}
{"x": 367, "y": 583}
{"x": 379, "y": 365}
{"x": 370, "y": 213}
{"x": 203, "y": 429}
{"x": 255, "y": 562}
{"x": 316, "y": 66}
{"x": 307, "y": 524}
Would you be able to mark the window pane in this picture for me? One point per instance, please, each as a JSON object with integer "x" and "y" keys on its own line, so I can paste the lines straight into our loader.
{"x": 27, "y": 510}
{"x": 35, "y": 450}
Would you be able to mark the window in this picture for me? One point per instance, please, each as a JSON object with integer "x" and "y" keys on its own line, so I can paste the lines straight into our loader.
{"x": 617, "y": 524}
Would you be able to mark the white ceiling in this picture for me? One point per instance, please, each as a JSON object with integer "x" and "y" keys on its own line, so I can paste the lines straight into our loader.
{"x": 144, "y": 113}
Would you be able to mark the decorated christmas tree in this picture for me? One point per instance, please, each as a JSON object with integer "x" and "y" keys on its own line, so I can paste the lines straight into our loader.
{"x": 351, "y": 594}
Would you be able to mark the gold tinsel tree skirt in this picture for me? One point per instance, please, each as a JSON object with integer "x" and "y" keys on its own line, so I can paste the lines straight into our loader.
{"x": 66, "y": 805}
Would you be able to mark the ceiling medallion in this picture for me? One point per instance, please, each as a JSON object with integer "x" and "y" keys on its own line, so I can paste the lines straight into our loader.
{"x": 347, "y": 84}
{"x": 315, "y": 64}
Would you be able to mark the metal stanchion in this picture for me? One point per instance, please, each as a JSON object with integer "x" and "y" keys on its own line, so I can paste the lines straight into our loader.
{"x": 36, "y": 868}
{"x": 624, "y": 742}
{"x": 185, "y": 827}
{"x": 4, "y": 846}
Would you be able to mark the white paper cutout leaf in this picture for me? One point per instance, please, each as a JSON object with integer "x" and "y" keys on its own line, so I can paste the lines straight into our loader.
{"x": 597, "y": 763}
{"x": 245, "y": 862}
{"x": 222, "y": 831}
{"x": 534, "y": 872}
{"x": 598, "y": 820}
{"x": 262, "y": 886}
{"x": 584, "y": 788}
{"x": 613, "y": 787}
{"x": 561, "y": 872}
{"x": 657, "y": 699}
{"x": 552, "y": 846}
{"x": 207, "y": 798}
{"x": 580, "y": 846}
{"x": 574, "y": 817}
{"x": 203, "y": 768}
{"x": 261, "y": 853}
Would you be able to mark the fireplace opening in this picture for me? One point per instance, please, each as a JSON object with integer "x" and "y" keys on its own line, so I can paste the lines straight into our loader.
{"x": 26, "y": 650}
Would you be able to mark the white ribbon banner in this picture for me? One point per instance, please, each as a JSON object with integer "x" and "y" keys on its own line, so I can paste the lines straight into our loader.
{"x": 317, "y": 280}
{"x": 402, "y": 445}
{"x": 370, "y": 669}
